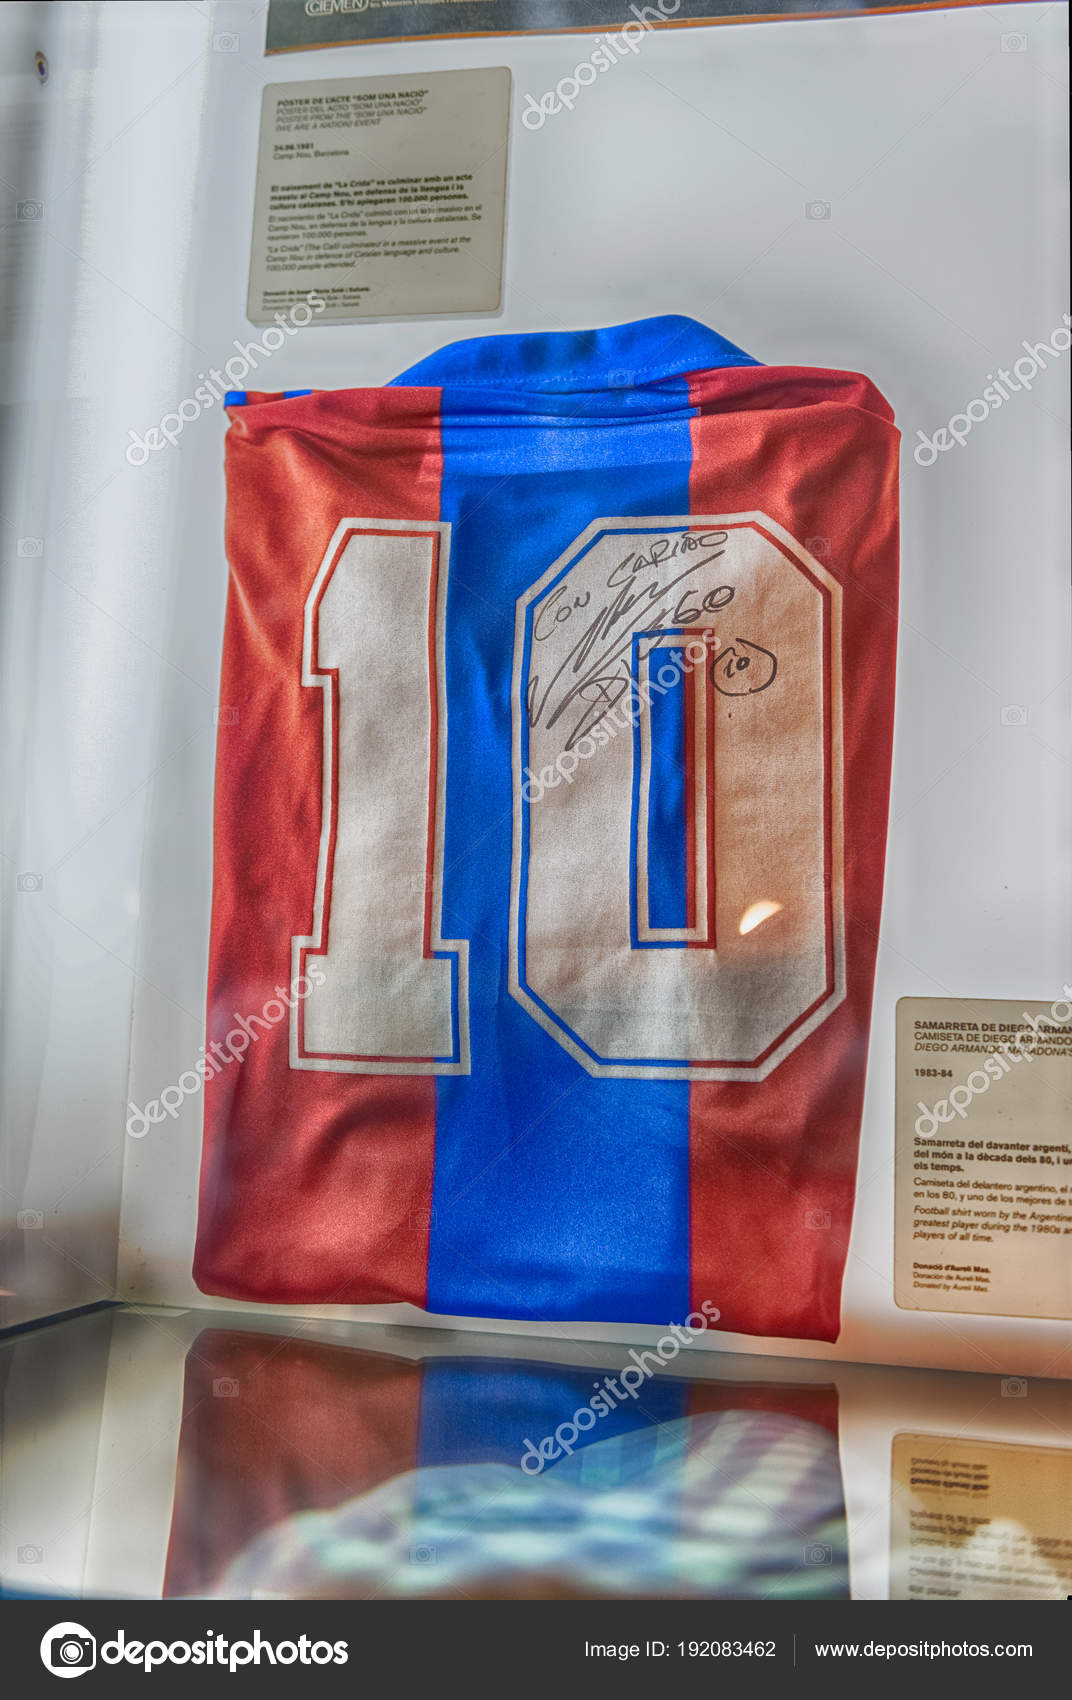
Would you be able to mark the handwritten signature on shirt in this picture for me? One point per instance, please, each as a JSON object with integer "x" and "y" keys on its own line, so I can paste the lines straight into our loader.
{"x": 595, "y": 674}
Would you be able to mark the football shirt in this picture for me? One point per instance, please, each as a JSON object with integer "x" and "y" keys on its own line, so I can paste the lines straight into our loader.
{"x": 552, "y": 781}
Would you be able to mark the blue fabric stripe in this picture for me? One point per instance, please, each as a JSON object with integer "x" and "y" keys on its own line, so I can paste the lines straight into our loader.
{"x": 237, "y": 398}
{"x": 620, "y": 357}
{"x": 556, "y": 1194}
{"x": 667, "y": 872}
{"x": 481, "y": 1410}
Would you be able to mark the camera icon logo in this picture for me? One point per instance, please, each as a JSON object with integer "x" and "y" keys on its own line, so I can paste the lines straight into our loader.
{"x": 817, "y": 1218}
{"x": 29, "y": 548}
{"x": 422, "y": 1555}
{"x": 68, "y": 1649}
{"x": 1013, "y": 1387}
{"x": 619, "y": 380}
{"x": 225, "y": 1388}
{"x": 1014, "y": 714}
{"x": 30, "y": 1555}
{"x": 817, "y": 546}
{"x": 226, "y": 716}
{"x": 225, "y": 42}
{"x": 1014, "y": 41}
{"x": 29, "y": 212}
{"x": 29, "y": 882}
{"x": 817, "y": 209}
{"x": 818, "y": 1553}
{"x": 28, "y": 1219}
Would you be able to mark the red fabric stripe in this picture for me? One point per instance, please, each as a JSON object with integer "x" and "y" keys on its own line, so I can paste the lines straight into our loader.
{"x": 310, "y": 1181}
{"x": 295, "y": 1427}
{"x": 816, "y": 452}
{"x": 808, "y": 1403}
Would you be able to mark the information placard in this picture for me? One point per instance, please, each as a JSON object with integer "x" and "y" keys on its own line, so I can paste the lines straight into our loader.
{"x": 296, "y": 24}
{"x": 381, "y": 196}
{"x": 984, "y": 1156}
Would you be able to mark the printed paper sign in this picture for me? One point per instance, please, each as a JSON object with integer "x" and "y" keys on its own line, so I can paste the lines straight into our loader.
{"x": 384, "y": 196}
{"x": 984, "y": 1156}
{"x": 294, "y": 24}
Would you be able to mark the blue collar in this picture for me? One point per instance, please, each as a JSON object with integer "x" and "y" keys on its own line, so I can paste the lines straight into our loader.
{"x": 620, "y": 356}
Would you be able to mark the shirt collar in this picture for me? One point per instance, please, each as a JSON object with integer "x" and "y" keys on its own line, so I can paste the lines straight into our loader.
{"x": 619, "y": 356}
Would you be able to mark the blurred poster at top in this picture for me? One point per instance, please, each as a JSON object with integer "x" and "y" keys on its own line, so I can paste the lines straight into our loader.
{"x": 297, "y": 24}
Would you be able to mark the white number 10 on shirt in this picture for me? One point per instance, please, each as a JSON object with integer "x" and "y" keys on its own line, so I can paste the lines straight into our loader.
{"x": 676, "y": 894}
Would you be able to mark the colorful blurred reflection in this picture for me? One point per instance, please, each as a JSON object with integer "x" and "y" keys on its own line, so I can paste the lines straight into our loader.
{"x": 317, "y": 1471}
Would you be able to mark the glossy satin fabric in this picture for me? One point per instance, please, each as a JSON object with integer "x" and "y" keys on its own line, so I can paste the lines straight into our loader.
{"x": 527, "y": 1188}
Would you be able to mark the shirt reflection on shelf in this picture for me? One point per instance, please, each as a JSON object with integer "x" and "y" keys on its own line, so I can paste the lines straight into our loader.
{"x": 323, "y": 1471}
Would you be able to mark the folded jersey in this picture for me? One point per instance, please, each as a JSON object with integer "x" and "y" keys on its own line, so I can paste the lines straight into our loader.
{"x": 552, "y": 781}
